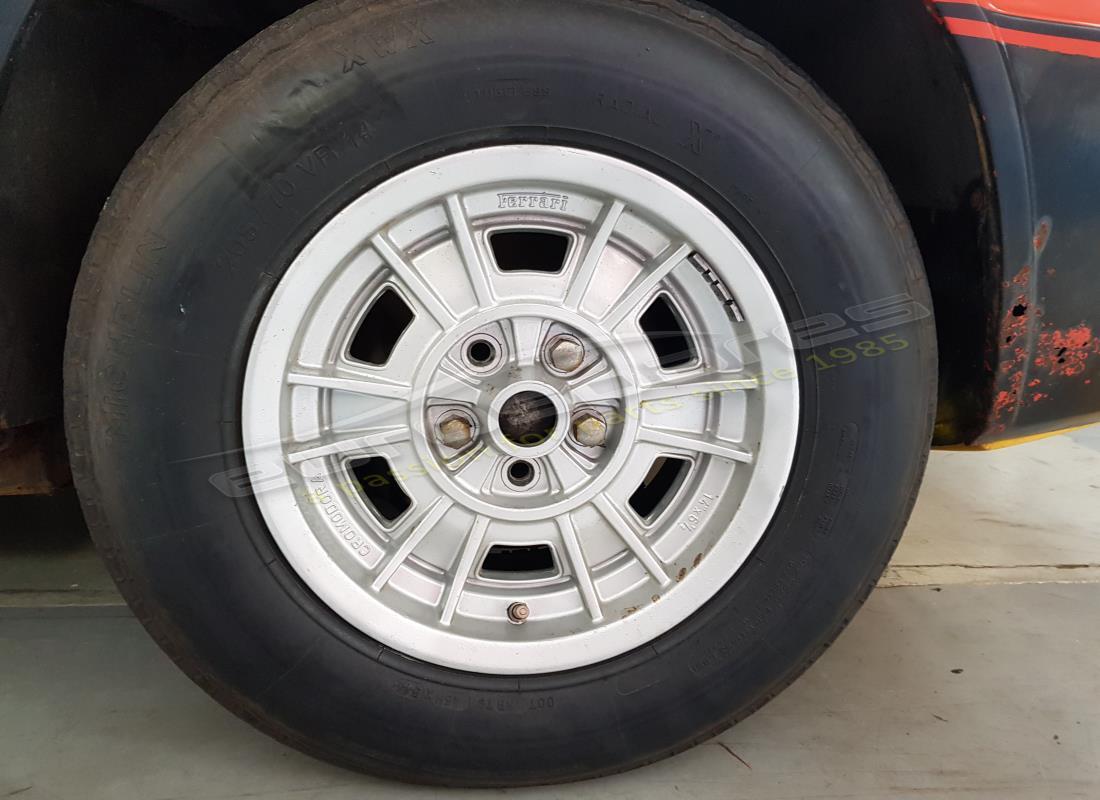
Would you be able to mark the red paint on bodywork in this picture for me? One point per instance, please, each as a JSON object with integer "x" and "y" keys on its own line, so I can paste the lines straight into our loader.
{"x": 1042, "y": 236}
{"x": 1015, "y": 324}
{"x": 1066, "y": 353}
{"x": 1013, "y": 355}
{"x": 976, "y": 29}
{"x": 1056, "y": 355}
{"x": 1007, "y": 400}
{"x": 1069, "y": 12}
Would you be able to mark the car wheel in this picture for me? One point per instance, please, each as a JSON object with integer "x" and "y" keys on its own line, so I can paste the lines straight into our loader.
{"x": 491, "y": 393}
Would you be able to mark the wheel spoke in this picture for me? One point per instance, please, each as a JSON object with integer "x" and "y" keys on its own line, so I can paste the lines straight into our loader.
{"x": 424, "y": 525}
{"x": 692, "y": 444}
{"x": 361, "y": 443}
{"x": 631, "y": 539}
{"x": 412, "y": 280}
{"x": 568, "y": 469}
{"x": 526, "y": 338}
{"x": 454, "y": 388}
{"x": 475, "y": 266}
{"x": 641, "y": 290}
{"x": 479, "y": 467}
{"x": 713, "y": 383}
{"x": 463, "y": 569}
{"x": 362, "y": 384}
{"x": 593, "y": 253}
{"x": 600, "y": 388}
{"x": 580, "y": 567}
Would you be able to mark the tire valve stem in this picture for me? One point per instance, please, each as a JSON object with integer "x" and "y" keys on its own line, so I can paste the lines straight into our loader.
{"x": 518, "y": 613}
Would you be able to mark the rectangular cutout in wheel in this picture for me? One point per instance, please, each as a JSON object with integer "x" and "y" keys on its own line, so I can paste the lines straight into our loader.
{"x": 667, "y": 333}
{"x": 377, "y": 485}
{"x": 529, "y": 251}
{"x": 381, "y": 329}
{"x": 660, "y": 486}
{"x": 520, "y": 561}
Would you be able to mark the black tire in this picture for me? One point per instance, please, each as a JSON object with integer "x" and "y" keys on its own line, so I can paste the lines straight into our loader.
{"x": 212, "y": 210}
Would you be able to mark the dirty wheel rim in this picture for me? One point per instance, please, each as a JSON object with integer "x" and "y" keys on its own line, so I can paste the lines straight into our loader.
{"x": 520, "y": 409}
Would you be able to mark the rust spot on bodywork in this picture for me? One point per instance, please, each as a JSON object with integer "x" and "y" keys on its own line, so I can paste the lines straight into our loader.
{"x": 1017, "y": 319}
{"x": 1008, "y": 399}
{"x": 1033, "y": 357}
{"x": 1012, "y": 360}
{"x": 1042, "y": 236}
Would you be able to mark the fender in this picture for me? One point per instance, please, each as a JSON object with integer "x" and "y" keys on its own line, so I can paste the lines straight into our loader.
{"x": 1012, "y": 263}
{"x": 1035, "y": 69}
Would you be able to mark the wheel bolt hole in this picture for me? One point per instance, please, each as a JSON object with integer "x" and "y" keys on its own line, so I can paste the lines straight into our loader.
{"x": 521, "y": 473}
{"x": 481, "y": 353}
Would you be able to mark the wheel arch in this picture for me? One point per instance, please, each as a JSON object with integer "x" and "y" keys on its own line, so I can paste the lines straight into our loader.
{"x": 116, "y": 67}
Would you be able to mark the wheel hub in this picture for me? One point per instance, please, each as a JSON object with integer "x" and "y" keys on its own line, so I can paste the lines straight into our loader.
{"x": 528, "y": 418}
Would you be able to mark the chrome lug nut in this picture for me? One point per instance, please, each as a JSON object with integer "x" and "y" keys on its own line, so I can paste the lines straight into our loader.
{"x": 518, "y": 613}
{"x": 590, "y": 430}
{"x": 455, "y": 431}
{"x": 566, "y": 354}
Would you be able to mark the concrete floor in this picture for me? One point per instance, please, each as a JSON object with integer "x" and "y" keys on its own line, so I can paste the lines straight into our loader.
{"x": 973, "y": 672}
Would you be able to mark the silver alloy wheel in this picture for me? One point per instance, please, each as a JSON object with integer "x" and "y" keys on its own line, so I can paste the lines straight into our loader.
{"x": 500, "y": 440}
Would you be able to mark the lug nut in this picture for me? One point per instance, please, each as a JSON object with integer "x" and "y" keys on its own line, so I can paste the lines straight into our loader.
{"x": 518, "y": 613}
{"x": 455, "y": 431}
{"x": 566, "y": 354}
{"x": 590, "y": 430}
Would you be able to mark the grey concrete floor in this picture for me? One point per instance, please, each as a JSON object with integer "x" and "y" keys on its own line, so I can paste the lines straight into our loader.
{"x": 973, "y": 673}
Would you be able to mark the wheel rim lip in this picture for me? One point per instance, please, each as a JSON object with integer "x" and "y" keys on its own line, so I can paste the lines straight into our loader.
{"x": 348, "y": 598}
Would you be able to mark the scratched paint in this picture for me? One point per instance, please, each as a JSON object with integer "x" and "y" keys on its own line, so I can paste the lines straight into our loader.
{"x": 1012, "y": 360}
{"x": 1015, "y": 324}
{"x": 1066, "y": 354}
{"x": 1008, "y": 399}
{"x": 1058, "y": 354}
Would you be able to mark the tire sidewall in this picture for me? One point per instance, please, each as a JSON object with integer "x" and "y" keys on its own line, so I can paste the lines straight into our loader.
{"x": 312, "y": 114}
